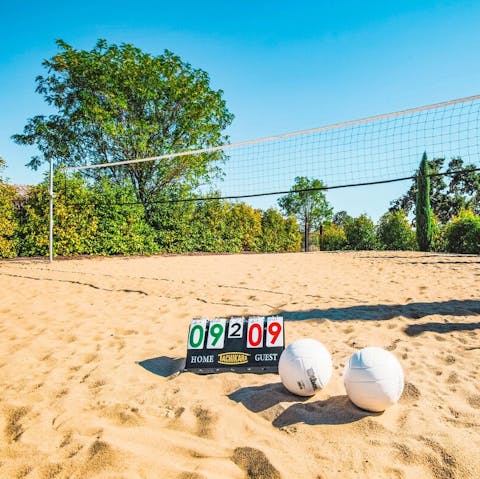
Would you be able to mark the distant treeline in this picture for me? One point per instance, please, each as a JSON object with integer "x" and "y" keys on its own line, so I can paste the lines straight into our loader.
{"x": 101, "y": 218}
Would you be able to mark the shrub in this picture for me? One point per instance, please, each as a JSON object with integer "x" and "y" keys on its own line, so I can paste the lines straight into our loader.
{"x": 395, "y": 233}
{"x": 360, "y": 233}
{"x": 103, "y": 219}
{"x": 120, "y": 220}
{"x": 243, "y": 228}
{"x": 75, "y": 224}
{"x": 209, "y": 227}
{"x": 333, "y": 238}
{"x": 8, "y": 222}
{"x": 462, "y": 234}
{"x": 279, "y": 234}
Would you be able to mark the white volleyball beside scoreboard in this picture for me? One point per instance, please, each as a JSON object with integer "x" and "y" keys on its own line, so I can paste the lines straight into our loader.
{"x": 305, "y": 366}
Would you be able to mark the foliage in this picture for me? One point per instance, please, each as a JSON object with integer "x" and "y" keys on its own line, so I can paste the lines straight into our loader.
{"x": 171, "y": 217}
{"x": 121, "y": 226}
{"x": 360, "y": 233}
{"x": 75, "y": 224}
{"x": 340, "y": 218}
{"x": 117, "y": 103}
{"x": 309, "y": 205}
{"x": 218, "y": 226}
{"x": 458, "y": 187}
{"x": 333, "y": 238}
{"x": 244, "y": 228}
{"x": 210, "y": 227}
{"x": 395, "y": 233}
{"x": 87, "y": 220}
{"x": 279, "y": 234}
{"x": 462, "y": 235}
{"x": 8, "y": 220}
{"x": 423, "y": 211}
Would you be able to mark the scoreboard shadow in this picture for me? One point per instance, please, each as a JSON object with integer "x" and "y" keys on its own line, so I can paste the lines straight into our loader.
{"x": 163, "y": 365}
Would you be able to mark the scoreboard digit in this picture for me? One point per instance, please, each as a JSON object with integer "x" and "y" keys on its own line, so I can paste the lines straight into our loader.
{"x": 255, "y": 332}
{"x": 216, "y": 334}
{"x": 196, "y": 334}
{"x": 275, "y": 331}
{"x": 235, "y": 328}
{"x": 238, "y": 344}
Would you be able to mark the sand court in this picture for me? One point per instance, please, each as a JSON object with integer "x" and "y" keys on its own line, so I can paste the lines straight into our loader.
{"x": 91, "y": 349}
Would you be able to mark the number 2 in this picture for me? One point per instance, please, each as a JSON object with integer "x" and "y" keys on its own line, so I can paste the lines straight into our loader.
{"x": 235, "y": 327}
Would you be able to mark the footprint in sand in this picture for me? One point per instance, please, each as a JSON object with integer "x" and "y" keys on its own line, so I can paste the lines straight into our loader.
{"x": 410, "y": 392}
{"x": 205, "y": 421}
{"x": 254, "y": 463}
{"x": 13, "y": 426}
{"x": 100, "y": 456}
{"x": 442, "y": 463}
{"x": 474, "y": 401}
{"x": 122, "y": 415}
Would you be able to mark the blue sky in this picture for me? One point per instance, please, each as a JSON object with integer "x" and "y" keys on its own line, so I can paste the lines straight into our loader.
{"x": 283, "y": 66}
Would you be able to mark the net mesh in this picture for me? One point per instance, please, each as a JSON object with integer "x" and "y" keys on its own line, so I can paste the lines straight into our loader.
{"x": 379, "y": 149}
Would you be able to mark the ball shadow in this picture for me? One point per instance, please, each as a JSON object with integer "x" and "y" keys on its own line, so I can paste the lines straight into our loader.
{"x": 261, "y": 398}
{"x": 335, "y": 410}
{"x": 331, "y": 411}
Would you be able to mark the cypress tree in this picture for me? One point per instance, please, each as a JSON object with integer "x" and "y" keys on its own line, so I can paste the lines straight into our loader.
{"x": 423, "y": 211}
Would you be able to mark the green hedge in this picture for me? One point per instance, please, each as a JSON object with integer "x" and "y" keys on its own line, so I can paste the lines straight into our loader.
{"x": 8, "y": 222}
{"x": 104, "y": 219}
{"x": 462, "y": 234}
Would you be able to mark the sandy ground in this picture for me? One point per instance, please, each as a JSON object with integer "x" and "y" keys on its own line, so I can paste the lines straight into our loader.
{"x": 90, "y": 350}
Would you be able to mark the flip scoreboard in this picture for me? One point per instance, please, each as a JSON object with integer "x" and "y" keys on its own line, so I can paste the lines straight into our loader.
{"x": 238, "y": 344}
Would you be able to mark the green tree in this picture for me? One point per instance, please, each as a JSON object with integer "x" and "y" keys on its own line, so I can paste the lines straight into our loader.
{"x": 340, "y": 218}
{"x": 210, "y": 226}
{"x": 451, "y": 189}
{"x": 174, "y": 219}
{"x": 309, "y": 205}
{"x": 423, "y": 211}
{"x": 360, "y": 233}
{"x": 395, "y": 232}
{"x": 117, "y": 103}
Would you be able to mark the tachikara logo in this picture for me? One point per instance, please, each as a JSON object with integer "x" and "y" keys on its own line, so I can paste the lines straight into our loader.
{"x": 233, "y": 358}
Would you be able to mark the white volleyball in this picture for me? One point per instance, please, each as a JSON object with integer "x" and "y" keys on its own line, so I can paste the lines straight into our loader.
{"x": 305, "y": 366}
{"x": 373, "y": 379}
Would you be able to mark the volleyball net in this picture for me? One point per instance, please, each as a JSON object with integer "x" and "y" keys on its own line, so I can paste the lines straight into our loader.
{"x": 379, "y": 149}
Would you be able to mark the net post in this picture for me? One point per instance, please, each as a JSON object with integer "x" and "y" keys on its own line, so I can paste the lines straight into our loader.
{"x": 50, "y": 229}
